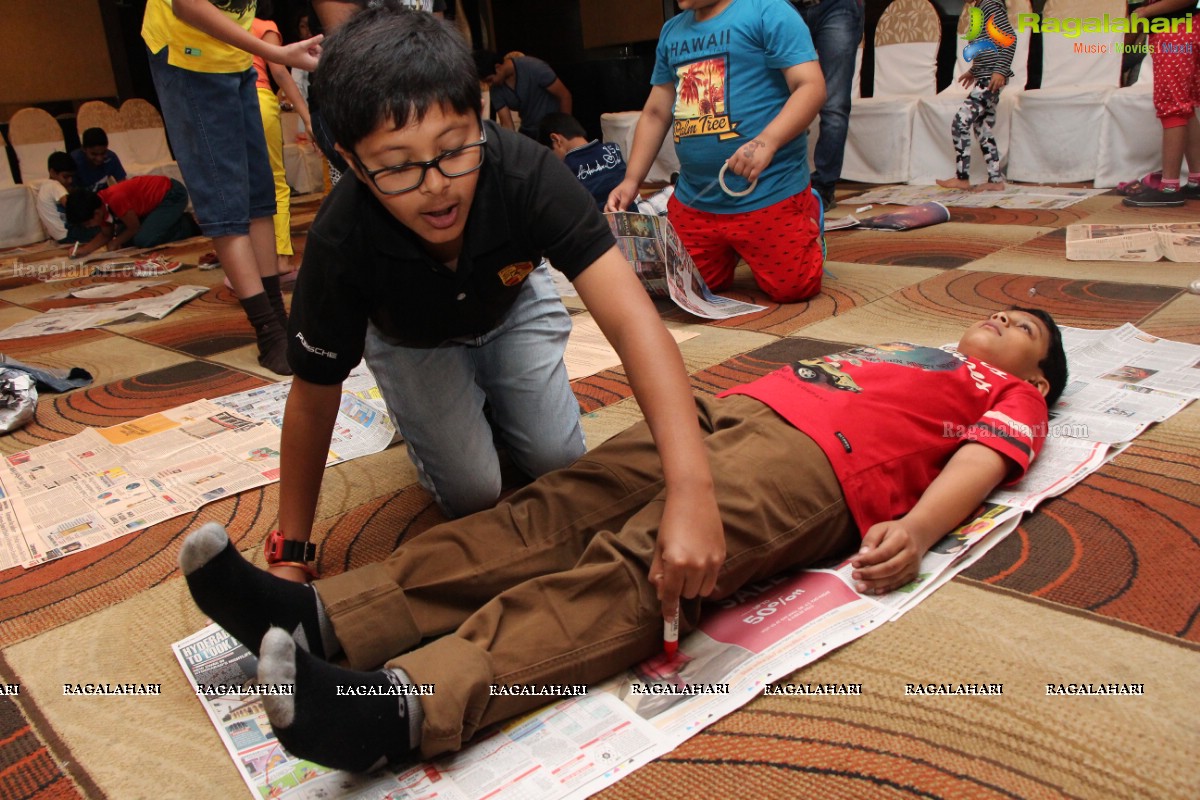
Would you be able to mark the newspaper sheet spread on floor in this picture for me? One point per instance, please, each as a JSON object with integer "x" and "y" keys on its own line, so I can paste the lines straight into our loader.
{"x": 78, "y": 318}
{"x": 664, "y": 267}
{"x": 100, "y": 484}
{"x": 1026, "y": 197}
{"x": 103, "y": 483}
{"x": 1175, "y": 241}
{"x": 745, "y": 645}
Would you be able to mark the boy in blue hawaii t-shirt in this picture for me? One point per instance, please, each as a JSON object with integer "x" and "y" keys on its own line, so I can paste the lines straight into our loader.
{"x": 740, "y": 82}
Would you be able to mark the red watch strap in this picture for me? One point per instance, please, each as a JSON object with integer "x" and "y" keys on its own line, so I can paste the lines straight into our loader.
{"x": 276, "y": 549}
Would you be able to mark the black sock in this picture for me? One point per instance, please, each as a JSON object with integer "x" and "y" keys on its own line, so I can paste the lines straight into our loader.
{"x": 275, "y": 298}
{"x": 330, "y": 718}
{"x": 269, "y": 332}
{"x": 245, "y": 600}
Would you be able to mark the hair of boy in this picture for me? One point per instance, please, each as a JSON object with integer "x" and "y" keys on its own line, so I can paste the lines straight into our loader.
{"x": 564, "y": 125}
{"x": 485, "y": 62}
{"x": 94, "y": 137}
{"x": 390, "y": 65}
{"x": 60, "y": 162}
{"x": 1054, "y": 365}
{"x": 81, "y": 205}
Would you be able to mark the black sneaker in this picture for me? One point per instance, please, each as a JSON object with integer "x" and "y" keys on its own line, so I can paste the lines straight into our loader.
{"x": 825, "y": 195}
{"x": 1156, "y": 198}
{"x": 1190, "y": 191}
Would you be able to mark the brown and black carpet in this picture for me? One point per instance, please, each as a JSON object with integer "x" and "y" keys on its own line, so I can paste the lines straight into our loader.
{"x": 1099, "y": 585}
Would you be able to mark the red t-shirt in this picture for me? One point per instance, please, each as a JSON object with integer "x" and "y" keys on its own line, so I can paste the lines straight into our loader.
{"x": 140, "y": 194}
{"x": 890, "y": 417}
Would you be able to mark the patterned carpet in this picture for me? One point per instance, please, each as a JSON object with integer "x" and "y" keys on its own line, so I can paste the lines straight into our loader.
{"x": 1101, "y": 584}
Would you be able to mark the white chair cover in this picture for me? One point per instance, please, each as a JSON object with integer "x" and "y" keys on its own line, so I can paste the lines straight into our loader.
{"x": 302, "y": 161}
{"x": 19, "y": 223}
{"x": 932, "y": 149}
{"x": 305, "y": 167}
{"x": 32, "y": 158}
{"x": 1130, "y": 135}
{"x": 146, "y": 145}
{"x": 879, "y": 142}
{"x": 619, "y": 126}
{"x": 1056, "y": 129}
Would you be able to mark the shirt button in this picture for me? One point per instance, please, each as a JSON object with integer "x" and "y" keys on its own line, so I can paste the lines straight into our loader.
{"x": 461, "y": 296}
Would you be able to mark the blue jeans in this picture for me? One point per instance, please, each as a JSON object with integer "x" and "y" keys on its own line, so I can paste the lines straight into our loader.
{"x": 836, "y": 27}
{"x": 436, "y": 397}
{"x": 216, "y": 134}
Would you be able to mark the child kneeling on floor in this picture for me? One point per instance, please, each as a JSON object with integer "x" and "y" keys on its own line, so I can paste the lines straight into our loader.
{"x": 569, "y": 580}
{"x": 142, "y": 211}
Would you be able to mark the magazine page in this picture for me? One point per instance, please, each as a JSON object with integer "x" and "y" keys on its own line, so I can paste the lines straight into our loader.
{"x": 918, "y": 216}
{"x": 650, "y": 244}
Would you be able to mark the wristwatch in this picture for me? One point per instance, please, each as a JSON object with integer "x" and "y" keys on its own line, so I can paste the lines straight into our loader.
{"x": 279, "y": 550}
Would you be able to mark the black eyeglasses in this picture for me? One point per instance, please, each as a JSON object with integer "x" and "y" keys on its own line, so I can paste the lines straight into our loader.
{"x": 406, "y": 177}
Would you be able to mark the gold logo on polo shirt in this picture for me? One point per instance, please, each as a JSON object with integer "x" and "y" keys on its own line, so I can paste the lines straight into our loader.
{"x": 515, "y": 273}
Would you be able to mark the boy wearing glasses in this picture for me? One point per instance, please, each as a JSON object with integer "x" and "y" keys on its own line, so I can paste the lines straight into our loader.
{"x": 428, "y": 264}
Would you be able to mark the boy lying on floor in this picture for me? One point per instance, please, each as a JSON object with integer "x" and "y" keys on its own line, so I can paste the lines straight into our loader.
{"x": 880, "y": 450}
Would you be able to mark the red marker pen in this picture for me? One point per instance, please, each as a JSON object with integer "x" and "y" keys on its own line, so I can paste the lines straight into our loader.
{"x": 671, "y": 635}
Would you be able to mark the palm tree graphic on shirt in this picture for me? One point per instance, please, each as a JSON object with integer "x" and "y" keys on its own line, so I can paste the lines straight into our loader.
{"x": 700, "y": 100}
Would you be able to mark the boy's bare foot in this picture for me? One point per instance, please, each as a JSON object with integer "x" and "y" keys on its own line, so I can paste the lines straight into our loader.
{"x": 953, "y": 183}
{"x": 997, "y": 186}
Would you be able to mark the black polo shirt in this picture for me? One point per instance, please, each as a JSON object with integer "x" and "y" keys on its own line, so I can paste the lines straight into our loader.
{"x": 361, "y": 264}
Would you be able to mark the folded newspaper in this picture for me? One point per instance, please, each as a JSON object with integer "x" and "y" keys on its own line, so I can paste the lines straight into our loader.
{"x": 664, "y": 267}
{"x": 1178, "y": 241}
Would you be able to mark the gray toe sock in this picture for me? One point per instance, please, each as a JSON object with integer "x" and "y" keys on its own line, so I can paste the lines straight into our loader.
{"x": 246, "y": 600}
{"x": 341, "y": 718}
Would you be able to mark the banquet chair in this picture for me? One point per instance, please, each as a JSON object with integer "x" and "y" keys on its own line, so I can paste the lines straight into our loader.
{"x": 932, "y": 150}
{"x": 34, "y": 135}
{"x": 879, "y": 142}
{"x": 619, "y": 126}
{"x": 302, "y": 161}
{"x": 1130, "y": 133}
{"x": 19, "y": 222}
{"x": 99, "y": 114}
{"x": 1055, "y": 133}
{"x": 141, "y": 141}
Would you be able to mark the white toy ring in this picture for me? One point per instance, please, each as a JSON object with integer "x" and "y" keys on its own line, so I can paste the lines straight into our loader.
{"x": 730, "y": 192}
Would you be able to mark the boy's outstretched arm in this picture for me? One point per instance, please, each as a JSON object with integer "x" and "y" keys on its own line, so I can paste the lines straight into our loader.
{"x": 308, "y": 421}
{"x": 691, "y": 541}
{"x": 891, "y": 551}
{"x": 204, "y": 16}
{"x": 807, "y": 86}
{"x": 656, "y": 119}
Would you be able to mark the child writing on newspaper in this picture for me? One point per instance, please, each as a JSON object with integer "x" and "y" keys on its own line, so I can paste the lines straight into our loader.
{"x": 876, "y": 454}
